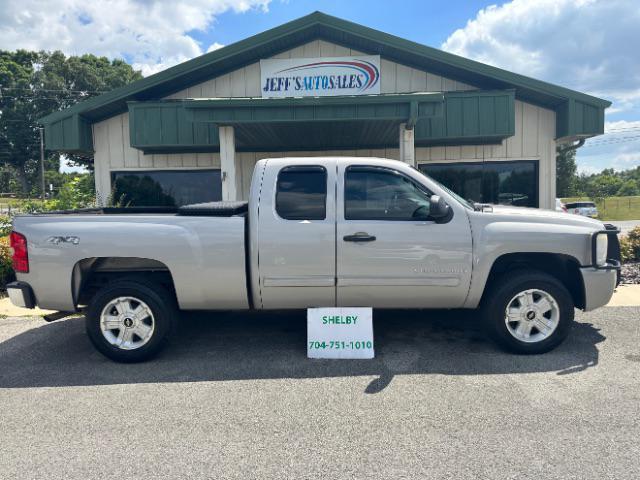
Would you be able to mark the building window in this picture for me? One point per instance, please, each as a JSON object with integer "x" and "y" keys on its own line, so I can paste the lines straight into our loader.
{"x": 301, "y": 193}
{"x": 508, "y": 183}
{"x": 166, "y": 187}
{"x": 373, "y": 193}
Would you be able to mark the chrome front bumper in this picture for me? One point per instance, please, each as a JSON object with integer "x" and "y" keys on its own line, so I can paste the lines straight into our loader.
{"x": 21, "y": 294}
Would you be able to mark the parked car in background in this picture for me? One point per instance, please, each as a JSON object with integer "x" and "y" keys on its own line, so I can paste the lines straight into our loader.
{"x": 586, "y": 209}
{"x": 560, "y": 207}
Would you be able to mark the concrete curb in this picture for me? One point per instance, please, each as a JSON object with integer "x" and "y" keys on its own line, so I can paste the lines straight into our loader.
{"x": 626, "y": 296}
{"x": 8, "y": 309}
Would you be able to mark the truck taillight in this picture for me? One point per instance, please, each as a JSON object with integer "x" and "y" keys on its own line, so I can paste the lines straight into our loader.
{"x": 20, "y": 257}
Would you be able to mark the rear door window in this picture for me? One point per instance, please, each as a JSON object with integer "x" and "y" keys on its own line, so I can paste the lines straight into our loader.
{"x": 301, "y": 193}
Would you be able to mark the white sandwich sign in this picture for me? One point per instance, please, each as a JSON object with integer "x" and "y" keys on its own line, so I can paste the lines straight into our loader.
{"x": 340, "y": 333}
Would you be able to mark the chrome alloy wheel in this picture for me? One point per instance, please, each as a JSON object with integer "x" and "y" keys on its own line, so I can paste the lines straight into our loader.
{"x": 532, "y": 315}
{"x": 127, "y": 323}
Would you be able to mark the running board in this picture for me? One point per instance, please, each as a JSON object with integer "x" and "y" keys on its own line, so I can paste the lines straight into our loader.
{"x": 52, "y": 317}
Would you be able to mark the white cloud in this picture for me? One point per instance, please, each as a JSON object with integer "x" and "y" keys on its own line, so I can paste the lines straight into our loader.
{"x": 152, "y": 34}
{"x": 214, "y": 46}
{"x": 588, "y": 169}
{"x": 620, "y": 126}
{"x": 619, "y": 150}
{"x": 627, "y": 160}
{"x": 588, "y": 45}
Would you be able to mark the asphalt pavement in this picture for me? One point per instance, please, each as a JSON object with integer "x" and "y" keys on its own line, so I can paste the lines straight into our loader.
{"x": 234, "y": 396}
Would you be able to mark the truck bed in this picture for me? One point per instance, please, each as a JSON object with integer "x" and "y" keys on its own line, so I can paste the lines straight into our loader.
{"x": 201, "y": 246}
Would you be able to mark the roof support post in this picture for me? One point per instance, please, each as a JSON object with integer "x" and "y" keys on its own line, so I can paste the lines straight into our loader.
{"x": 407, "y": 145}
{"x": 229, "y": 174}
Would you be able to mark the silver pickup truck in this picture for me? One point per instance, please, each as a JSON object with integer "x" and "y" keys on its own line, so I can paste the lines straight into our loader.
{"x": 316, "y": 232}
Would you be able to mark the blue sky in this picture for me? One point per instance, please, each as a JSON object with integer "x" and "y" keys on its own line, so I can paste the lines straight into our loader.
{"x": 428, "y": 22}
{"x": 587, "y": 45}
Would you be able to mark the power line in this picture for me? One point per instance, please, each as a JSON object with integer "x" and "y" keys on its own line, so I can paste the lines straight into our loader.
{"x": 31, "y": 97}
{"x": 613, "y": 141}
{"x": 623, "y": 129}
{"x": 53, "y": 90}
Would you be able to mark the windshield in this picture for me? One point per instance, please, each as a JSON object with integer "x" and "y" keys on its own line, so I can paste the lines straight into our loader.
{"x": 464, "y": 202}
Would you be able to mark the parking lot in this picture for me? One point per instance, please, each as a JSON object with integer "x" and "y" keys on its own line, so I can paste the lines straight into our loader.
{"x": 236, "y": 397}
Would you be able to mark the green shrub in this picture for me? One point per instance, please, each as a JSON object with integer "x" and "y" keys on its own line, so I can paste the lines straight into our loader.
{"x": 76, "y": 193}
{"x": 630, "y": 246}
{"x": 6, "y": 268}
{"x": 5, "y": 225}
{"x": 31, "y": 206}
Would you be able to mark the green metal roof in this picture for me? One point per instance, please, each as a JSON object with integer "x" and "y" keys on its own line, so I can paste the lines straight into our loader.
{"x": 322, "y": 123}
{"x": 322, "y": 26}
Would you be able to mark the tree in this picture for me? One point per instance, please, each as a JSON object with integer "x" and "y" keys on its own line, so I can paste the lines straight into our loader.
{"x": 18, "y": 133}
{"x": 566, "y": 173}
{"x": 629, "y": 188}
{"x": 34, "y": 84}
{"x": 604, "y": 185}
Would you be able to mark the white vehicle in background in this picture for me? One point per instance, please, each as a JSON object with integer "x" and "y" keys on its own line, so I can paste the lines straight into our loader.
{"x": 560, "y": 207}
{"x": 586, "y": 209}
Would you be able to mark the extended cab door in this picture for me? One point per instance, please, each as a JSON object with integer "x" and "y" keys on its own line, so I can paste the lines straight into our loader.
{"x": 296, "y": 234}
{"x": 390, "y": 253}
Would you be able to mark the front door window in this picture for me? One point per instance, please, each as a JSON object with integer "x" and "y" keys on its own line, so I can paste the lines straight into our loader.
{"x": 383, "y": 194}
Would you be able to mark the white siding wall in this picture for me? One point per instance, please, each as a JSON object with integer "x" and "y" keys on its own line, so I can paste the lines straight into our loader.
{"x": 395, "y": 78}
{"x": 111, "y": 137}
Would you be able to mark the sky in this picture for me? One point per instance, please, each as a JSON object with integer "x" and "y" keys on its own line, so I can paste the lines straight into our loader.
{"x": 588, "y": 45}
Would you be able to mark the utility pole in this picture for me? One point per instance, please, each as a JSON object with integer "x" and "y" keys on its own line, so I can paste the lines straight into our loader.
{"x": 42, "y": 160}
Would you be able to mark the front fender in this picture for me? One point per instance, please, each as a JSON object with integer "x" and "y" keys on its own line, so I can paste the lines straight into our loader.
{"x": 496, "y": 239}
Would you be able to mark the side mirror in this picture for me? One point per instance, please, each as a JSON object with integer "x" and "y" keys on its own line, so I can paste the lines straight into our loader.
{"x": 438, "y": 208}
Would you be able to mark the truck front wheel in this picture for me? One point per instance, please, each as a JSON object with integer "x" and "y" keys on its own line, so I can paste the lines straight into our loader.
{"x": 130, "y": 320}
{"x": 528, "y": 312}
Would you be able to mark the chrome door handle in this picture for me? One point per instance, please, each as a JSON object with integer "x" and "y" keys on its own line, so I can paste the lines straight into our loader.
{"x": 359, "y": 237}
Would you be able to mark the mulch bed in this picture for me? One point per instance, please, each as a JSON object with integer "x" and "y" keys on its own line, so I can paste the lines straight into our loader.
{"x": 630, "y": 273}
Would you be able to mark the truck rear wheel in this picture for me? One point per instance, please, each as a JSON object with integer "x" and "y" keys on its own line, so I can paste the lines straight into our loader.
{"x": 130, "y": 320}
{"x": 528, "y": 312}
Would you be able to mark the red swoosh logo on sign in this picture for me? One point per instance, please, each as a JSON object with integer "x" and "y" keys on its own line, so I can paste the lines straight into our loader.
{"x": 371, "y": 71}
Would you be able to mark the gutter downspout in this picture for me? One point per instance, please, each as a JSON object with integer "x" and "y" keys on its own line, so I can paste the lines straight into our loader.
{"x": 573, "y": 146}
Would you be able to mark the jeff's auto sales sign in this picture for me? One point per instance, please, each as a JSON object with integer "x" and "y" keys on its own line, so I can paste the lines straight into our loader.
{"x": 318, "y": 77}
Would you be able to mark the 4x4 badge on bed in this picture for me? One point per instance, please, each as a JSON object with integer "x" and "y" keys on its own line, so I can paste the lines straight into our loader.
{"x": 59, "y": 240}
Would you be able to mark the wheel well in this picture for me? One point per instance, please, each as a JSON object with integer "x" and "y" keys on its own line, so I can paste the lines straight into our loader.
{"x": 91, "y": 274}
{"x": 565, "y": 268}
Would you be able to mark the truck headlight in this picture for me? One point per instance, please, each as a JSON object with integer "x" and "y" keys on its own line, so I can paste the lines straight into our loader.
{"x": 602, "y": 244}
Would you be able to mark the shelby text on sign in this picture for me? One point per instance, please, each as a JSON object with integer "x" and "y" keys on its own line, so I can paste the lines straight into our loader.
{"x": 339, "y": 333}
{"x": 316, "y": 77}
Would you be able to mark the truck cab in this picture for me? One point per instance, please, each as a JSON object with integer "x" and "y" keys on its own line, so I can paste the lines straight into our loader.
{"x": 355, "y": 232}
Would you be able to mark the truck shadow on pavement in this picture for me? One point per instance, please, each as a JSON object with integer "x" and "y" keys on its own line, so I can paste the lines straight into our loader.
{"x": 213, "y": 347}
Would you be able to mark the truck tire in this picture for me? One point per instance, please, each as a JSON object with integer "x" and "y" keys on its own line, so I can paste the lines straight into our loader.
{"x": 528, "y": 312}
{"x": 130, "y": 320}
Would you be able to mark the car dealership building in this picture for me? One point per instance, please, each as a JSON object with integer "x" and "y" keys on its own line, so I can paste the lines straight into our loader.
{"x": 323, "y": 86}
